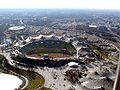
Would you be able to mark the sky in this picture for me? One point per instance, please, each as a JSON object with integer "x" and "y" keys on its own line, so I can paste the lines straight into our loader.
{"x": 68, "y": 4}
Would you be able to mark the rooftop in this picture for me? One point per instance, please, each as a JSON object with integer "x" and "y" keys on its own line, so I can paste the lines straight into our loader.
{"x": 15, "y": 28}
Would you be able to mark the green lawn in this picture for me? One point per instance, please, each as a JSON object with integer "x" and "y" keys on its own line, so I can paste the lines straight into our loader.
{"x": 54, "y": 55}
{"x": 100, "y": 52}
{"x": 1, "y": 67}
{"x": 35, "y": 80}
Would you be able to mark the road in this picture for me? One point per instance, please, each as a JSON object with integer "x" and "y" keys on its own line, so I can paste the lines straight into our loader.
{"x": 117, "y": 45}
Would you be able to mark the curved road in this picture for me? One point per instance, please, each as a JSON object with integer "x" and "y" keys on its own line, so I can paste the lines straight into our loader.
{"x": 117, "y": 45}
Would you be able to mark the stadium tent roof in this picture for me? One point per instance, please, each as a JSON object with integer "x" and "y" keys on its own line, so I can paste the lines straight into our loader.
{"x": 104, "y": 82}
{"x": 28, "y": 39}
{"x": 107, "y": 74}
{"x": 38, "y": 37}
{"x": 93, "y": 26}
{"x": 3, "y": 45}
{"x": 75, "y": 43}
{"x": 94, "y": 75}
{"x": 16, "y": 45}
{"x": 72, "y": 64}
{"x": 16, "y": 28}
{"x": 67, "y": 39}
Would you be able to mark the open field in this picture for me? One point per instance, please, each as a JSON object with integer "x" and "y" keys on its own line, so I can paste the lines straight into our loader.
{"x": 51, "y": 55}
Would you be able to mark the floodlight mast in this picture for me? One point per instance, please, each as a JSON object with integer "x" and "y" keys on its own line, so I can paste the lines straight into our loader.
{"x": 117, "y": 79}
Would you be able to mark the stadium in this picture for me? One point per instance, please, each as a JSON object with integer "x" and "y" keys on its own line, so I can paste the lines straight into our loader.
{"x": 16, "y": 28}
{"x": 54, "y": 48}
{"x": 47, "y": 48}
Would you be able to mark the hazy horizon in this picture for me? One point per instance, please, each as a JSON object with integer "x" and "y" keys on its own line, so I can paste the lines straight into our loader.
{"x": 60, "y": 4}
